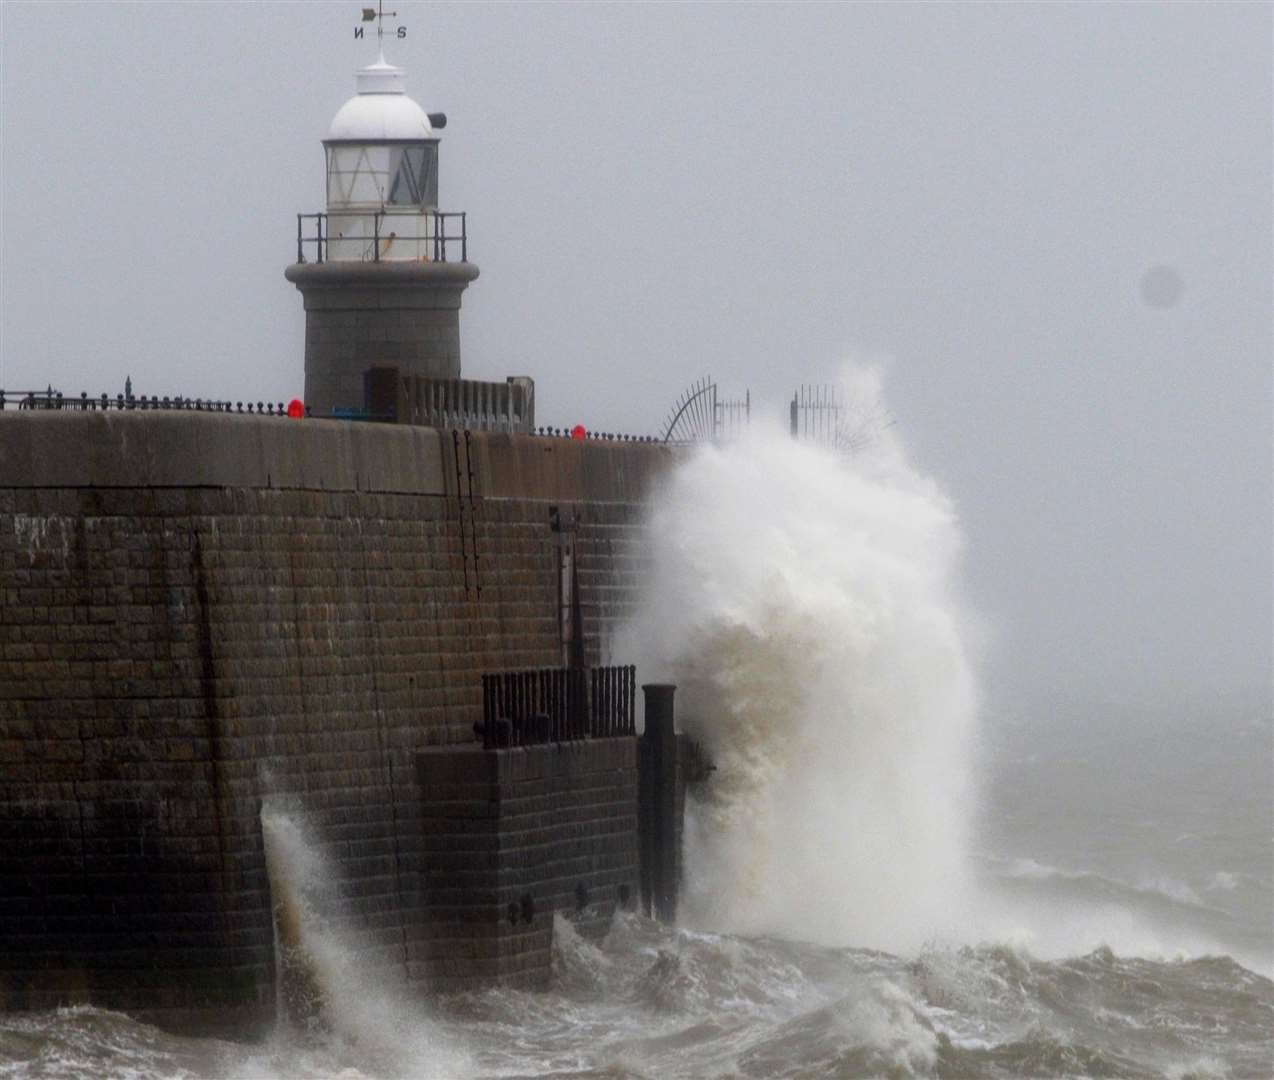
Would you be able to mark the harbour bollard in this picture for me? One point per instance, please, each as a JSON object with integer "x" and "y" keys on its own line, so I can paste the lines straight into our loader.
{"x": 657, "y": 806}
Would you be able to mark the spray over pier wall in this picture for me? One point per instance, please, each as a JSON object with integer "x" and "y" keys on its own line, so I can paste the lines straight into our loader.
{"x": 201, "y": 612}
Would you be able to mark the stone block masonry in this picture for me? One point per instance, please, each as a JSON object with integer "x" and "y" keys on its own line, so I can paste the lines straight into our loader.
{"x": 200, "y": 611}
{"x": 508, "y": 838}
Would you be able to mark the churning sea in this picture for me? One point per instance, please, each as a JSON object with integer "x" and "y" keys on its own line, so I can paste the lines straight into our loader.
{"x": 1160, "y": 831}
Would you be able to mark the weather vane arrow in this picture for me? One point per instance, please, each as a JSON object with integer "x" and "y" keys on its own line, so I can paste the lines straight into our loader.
{"x": 378, "y": 15}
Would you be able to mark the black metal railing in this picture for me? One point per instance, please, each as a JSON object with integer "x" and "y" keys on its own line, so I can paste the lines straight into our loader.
{"x": 523, "y": 708}
{"x": 55, "y": 400}
{"x": 837, "y": 419}
{"x": 606, "y": 436}
{"x": 440, "y": 243}
{"x": 700, "y": 415}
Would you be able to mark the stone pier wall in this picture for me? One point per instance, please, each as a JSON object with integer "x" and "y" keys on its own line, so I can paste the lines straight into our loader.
{"x": 200, "y": 612}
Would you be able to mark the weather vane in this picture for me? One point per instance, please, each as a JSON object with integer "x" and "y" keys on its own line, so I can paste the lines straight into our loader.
{"x": 378, "y": 14}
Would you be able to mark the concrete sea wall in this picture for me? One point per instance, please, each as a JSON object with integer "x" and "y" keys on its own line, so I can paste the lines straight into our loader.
{"x": 198, "y": 612}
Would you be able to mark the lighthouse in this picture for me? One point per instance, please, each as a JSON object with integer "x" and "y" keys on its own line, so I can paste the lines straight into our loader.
{"x": 381, "y": 268}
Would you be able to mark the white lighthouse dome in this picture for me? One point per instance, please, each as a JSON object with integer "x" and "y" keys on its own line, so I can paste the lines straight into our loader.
{"x": 381, "y": 110}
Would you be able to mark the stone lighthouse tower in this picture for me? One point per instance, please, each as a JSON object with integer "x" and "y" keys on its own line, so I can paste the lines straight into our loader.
{"x": 382, "y": 270}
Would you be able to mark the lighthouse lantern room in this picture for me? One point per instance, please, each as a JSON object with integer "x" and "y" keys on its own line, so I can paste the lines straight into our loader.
{"x": 382, "y": 173}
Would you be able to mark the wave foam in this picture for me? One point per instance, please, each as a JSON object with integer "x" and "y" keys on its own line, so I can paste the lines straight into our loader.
{"x": 368, "y": 1018}
{"x": 804, "y": 604}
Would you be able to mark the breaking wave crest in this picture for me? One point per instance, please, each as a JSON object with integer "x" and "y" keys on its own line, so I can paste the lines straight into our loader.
{"x": 804, "y": 603}
{"x": 807, "y": 605}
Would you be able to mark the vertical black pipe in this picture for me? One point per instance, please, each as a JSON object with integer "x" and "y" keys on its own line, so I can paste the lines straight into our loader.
{"x": 657, "y": 805}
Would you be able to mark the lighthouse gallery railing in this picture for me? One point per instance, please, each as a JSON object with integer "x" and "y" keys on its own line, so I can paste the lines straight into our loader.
{"x": 447, "y": 236}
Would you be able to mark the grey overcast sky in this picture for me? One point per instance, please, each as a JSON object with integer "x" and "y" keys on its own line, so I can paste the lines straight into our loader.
{"x": 977, "y": 195}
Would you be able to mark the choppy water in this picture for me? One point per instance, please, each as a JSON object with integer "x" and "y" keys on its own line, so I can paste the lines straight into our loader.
{"x": 1146, "y": 842}
{"x": 883, "y": 880}
{"x": 1163, "y": 998}
{"x": 654, "y": 1002}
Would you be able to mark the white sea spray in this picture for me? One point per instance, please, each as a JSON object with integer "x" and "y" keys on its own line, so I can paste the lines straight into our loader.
{"x": 368, "y": 1016}
{"x": 804, "y": 603}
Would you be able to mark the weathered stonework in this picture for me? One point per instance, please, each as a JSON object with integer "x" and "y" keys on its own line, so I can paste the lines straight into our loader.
{"x": 193, "y": 618}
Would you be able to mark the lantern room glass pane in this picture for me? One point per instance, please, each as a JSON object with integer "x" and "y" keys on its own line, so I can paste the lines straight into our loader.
{"x": 357, "y": 175}
{"x": 414, "y": 172}
{"x": 381, "y": 174}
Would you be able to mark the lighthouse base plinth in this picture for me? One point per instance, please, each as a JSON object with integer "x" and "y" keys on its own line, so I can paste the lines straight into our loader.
{"x": 360, "y": 316}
